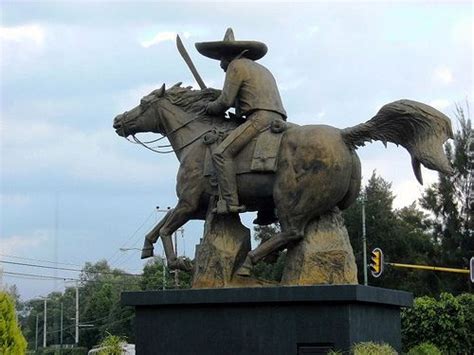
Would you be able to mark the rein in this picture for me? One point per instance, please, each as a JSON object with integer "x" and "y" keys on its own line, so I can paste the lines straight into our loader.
{"x": 155, "y": 149}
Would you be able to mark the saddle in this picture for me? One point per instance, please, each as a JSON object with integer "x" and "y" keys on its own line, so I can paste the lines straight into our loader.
{"x": 259, "y": 156}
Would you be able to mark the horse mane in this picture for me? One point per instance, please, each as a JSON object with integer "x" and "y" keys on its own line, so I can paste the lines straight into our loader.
{"x": 191, "y": 101}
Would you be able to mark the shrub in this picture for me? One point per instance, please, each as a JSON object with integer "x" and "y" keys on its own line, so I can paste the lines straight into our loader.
{"x": 425, "y": 349}
{"x": 446, "y": 323}
{"x": 370, "y": 348}
{"x": 112, "y": 345}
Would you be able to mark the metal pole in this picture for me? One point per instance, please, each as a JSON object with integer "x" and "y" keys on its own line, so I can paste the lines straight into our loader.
{"x": 77, "y": 315}
{"x": 364, "y": 241}
{"x": 176, "y": 275}
{"x": 44, "y": 325}
{"x": 61, "y": 333}
{"x": 163, "y": 267}
{"x": 432, "y": 268}
{"x": 36, "y": 333}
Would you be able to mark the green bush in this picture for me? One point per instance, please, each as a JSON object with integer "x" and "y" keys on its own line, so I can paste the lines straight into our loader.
{"x": 370, "y": 348}
{"x": 112, "y": 345}
{"x": 446, "y": 323}
{"x": 12, "y": 341}
{"x": 64, "y": 351}
{"x": 425, "y": 349}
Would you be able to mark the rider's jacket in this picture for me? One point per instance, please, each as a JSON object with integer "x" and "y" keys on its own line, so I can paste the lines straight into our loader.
{"x": 248, "y": 87}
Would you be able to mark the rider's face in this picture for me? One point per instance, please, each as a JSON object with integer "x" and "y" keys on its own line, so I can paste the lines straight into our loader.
{"x": 224, "y": 64}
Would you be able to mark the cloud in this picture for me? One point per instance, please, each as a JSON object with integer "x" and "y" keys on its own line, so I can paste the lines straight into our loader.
{"x": 162, "y": 37}
{"x": 31, "y": 34}
{"x": 17, "y": 243}
{"x": 443, "y": 75}
{"x": 33, "y": 148}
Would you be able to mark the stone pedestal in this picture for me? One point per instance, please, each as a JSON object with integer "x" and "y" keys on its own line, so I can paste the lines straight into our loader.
{"x": 268, "y": 320}
{"x": 224, "y": 247}
{"x": 324, "y": 255}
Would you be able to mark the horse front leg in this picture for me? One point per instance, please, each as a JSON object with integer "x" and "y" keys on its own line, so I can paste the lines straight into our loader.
{"x": 152, "y": 237}
{"x": 178, "y": 216}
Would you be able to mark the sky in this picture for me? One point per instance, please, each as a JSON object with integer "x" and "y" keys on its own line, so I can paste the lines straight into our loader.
{"x": 73, "y": 191}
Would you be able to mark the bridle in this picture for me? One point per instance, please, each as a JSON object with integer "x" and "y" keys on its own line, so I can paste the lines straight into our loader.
{"x": 157, "y": 148}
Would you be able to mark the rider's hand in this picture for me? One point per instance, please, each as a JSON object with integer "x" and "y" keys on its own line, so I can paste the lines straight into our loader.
{"x": 210, "y": 108}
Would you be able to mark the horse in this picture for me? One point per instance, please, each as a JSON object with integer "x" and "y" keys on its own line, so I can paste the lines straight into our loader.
{"x": 318, "y": 169}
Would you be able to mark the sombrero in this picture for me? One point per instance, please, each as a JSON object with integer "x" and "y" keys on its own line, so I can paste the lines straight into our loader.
{"x": 230, "y": 48}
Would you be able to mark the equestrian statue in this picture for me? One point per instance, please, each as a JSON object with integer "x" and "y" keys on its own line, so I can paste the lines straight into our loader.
{"x": 253, "y": 160}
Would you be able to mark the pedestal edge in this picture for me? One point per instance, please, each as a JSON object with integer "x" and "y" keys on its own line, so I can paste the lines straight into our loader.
{"x": 285, "y": 294}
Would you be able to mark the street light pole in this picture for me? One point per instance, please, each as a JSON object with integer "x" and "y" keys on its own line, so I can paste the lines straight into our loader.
{"x": 364, "y": 241}
{"x": 77, "y": 316}
{"x": 36, "y": 333}
{"x": 61, "y": 333}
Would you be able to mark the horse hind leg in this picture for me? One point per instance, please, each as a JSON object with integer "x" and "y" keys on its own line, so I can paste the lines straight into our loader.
{"x": 354, "y": 184}
{"x": 275, "y": 243}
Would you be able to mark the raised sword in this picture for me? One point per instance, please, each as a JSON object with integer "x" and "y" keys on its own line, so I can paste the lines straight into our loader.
{"x": 189, "y": 62}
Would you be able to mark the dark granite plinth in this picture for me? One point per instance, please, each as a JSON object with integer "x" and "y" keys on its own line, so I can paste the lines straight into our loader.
{"x": 273, "y": 320}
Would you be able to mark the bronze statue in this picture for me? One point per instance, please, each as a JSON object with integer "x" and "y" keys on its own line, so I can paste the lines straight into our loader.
{"x": 302, "y": 172}
{"x": 252, "y": 90}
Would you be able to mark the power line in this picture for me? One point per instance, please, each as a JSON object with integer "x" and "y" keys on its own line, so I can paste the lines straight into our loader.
{"x": 50, "y": 277}
{"x": 65, "y": 269}
{"x": 39, "y": 260}
{"x": 116, "y": 253}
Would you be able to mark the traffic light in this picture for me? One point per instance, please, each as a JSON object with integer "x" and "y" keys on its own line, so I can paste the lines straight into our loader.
{"x": 376, "y": 262}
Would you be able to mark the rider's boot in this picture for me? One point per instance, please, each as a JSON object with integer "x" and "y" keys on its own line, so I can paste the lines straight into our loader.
{"x": 228, "y": 197}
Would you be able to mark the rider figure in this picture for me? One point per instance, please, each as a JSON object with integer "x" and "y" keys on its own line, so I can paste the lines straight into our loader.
{"x": 252, "y": 90}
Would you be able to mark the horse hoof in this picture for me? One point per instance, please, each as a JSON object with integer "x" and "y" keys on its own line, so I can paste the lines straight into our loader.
{"x": 180, "y": 263}
{"x": 246, "y": 268}
{"x": 147, "y": 253}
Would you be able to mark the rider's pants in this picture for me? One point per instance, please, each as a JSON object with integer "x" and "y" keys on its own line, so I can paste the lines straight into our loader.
{"x": 224, "y": 154}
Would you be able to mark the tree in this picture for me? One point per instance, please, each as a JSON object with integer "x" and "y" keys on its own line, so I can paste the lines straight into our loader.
{"x": 12, "y": 340}
{"x": 448, "y": 202}
{"x": 156, "y": 277}
{"x": 402, "y": 235}
{"x": 271, "y": 267}
{"x": 99, "y": 307}
{"x": 100, "y": 302}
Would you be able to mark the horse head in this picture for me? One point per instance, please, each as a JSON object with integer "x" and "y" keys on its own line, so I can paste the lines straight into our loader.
{"x": 164, "y": 111}
{"x": 141, "y": 118}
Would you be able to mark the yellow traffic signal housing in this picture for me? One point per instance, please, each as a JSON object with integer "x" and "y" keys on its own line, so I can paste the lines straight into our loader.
{"x": 376, "y": 262}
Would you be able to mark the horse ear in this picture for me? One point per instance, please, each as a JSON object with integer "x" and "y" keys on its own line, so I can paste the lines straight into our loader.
{"x": 159, "y": 92}
{"x": 177, "y": 85}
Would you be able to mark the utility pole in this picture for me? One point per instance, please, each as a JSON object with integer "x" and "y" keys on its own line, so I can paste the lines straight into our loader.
{"x": 364, "y": 241}
{"x": 45, "y": 328}
{"x": 77, "y": 316}
{"x": 61, "y": 333}
{"x": 36, "y": 333}
{"x": 176, "y": 272}
{"x": 163, "y": 267}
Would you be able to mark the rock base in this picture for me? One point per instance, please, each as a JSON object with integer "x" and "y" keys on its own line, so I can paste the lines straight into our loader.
{"x": 324, "y": 255}
{"x": 224, "y": 247}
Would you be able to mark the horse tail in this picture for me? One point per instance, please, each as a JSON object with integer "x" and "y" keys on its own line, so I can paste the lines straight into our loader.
{"x": 419, "y": 128}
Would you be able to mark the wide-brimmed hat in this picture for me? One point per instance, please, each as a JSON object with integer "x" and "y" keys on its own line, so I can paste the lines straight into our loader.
{"x": 230, "y": 48}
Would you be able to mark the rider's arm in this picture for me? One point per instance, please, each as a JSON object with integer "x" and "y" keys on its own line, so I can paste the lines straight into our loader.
{"x": 232, "y": 83}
